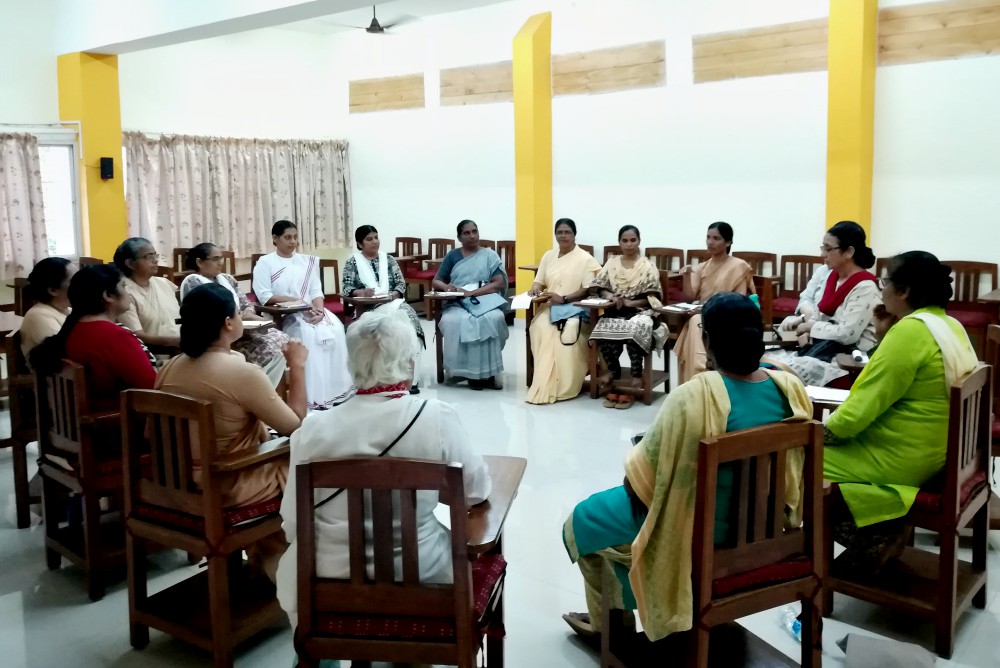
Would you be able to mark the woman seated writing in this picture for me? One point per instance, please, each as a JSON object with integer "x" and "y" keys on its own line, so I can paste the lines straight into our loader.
{"x": 642, "y": 530}
{"x": 48, "y": 285}
{"x": 891, "y": 434}
{"x": 559, "y": 331}
{"x": 370, "y": 272}
{"x": 112, "y": 356}
{"x": 262, "y": 348}
{"x": 633, "y": 284}
{"x": 152, "y": 305}
{"x": 285, "y": 276}
{"x": 720, "y": 273}
{"x": 382, "y": 349}
{"x": 835, "y": 310}
{"x": 473, "y": 329}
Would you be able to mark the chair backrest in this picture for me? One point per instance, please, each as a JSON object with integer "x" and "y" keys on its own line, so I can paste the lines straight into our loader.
{"x": 228, "y": 262}
{"x": 165, "y": 272}
{"x": 767, "y": 289}
{"x": 760, "y": 262}
{"x": 439, "y": 247}
{"x": 254, "y": 258}
{"x": 667, "y": 283}
{"x": 409, "y": 246}
{"x": 802, "y": 269}
{"x": 486, "y": 243}
{"x": 696, "y": 255}
{"x": 759, "y": 456}
{"x": 663, "y": 258}
{"x": 507, "y": 252}
{"x": 335, "y": 286}
{"x": 20, "y": 388}
{"x": 169, "y": 428}
{"x": 179, "y": 255}
{"x": 992, "y": 358}
{"x": 589, "y": 249}
{"x": 62, "y": 404}
{"x": 882, "y": 267}
{"x": 969, "y": 276}
{"x": 969, "y": 422}
{"x": 84, "y": 261}
{"x": 389, "y": 486}
{"x": 610, "y": 251}
{"x": 22, "y": 298}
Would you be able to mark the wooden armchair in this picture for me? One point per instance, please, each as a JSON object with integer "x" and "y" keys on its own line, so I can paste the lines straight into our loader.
{"x": 588, "y": 249}
{"x": 767, "y": 292}
{"x": 333, "y": 301}
{"x": 759, "y": 262}
{"x": 389, "y": 618}
{"x": 23, "y": 425}
{"x": 23, "y": 300}
{"x": 254, "y": 258}
{"x": 80, "y": 452}
{"x": 84, "y": 261}
{"x": 796, "y": 270}
{"x": 409, "y": 246}
{"x": 965, "y": 307}
{"x": 229, "y": 266}
{"x": 611, "y": 251}
{"x": 882, "y": 267}
{"x": 220, "y": 607}
{"x": 696, "y": 255}
{"x": 764, "y": 565}
{"x": 940, "y": 587}
{"x": 664, "y": 258}
{"x": 414, "y": 272}
{"x": 486, "y": 243}
{"x": 507, "y": 250}
{"x": 178, "y": 257}
{"x": 993, "y": 359}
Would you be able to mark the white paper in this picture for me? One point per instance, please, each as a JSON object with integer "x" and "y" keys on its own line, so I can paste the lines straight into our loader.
{"x": 290, "y": 305}
{"x": 827, "y": 394}
{"x": 254, "y": 324}
{"x": 594, "y": 301}
{"x": 442, "y": 514}
{"x": 521, "y": 302}
{"x": 683, "y": 306}
{"x": 447, "y": 294}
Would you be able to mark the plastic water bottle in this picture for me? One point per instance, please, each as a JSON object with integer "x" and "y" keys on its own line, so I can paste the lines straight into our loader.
{"x": 790, "y": 620}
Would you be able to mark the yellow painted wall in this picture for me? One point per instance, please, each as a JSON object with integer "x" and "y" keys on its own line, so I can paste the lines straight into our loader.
{"x": 88, "y": 92}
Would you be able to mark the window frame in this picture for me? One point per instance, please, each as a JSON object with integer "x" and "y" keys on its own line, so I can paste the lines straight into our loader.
{"x": 69, "y": 139}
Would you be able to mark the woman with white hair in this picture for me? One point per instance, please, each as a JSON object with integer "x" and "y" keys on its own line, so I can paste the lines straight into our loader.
{"x": 381, "y": 349}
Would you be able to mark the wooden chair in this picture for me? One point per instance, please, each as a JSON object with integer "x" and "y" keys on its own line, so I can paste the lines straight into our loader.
{"x": 389, "y": 618}
{"x": 759, "y": 262}
{"x": 796, "y": 270}
{"x": 84, "y": 261}
{"x": 254, "y": 258}
{"x": 229, "y": 265}
{"x": 589, "y": 249}
{"x": 765, "y": 565}
{"x": 169, "y": 274}
{"x": 993, "y": 359}
{"x": 485, "y": 243}
{"x": 507, "y": 252}
{"x": 409, "y": 246}
{"x": 882, "y": 267}
{"x": 90, "y": 444}
{"x": 767, "y": 291}
{"x": 663, "y": 258}
{"x": 179, "y": 256}
{"x": 333, "y": 301}
{"x": 219, "y": 607}
{"x": 414, "y": 271}
{"x": 696, "y": 255}
{"x": 965, "y": 307}
{"x": 940, "y": 587}
{"x": 611, "y": 251}
{"x": 23, "y": 425}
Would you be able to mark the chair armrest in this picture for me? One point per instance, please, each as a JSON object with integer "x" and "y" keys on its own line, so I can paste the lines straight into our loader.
{"x": 102, "y": 420}
{"x": 244, "y": 277}
{"x": 269, "y": 451}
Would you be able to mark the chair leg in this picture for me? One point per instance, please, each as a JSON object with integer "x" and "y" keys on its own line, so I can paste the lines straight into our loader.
{"x": 21, "y": 495}
{"x": 218, "y": 604}
{"x": 647, "y": 379}
{"x": 980, "y": 544}
{"x": 494, "y": 644}
{"x": 944, "y": 622}
{"x": 592, "y": 368}
{"x": 812, "y": 634}
{"x": 826, "y": 593}
{"x": 135, "y": 562}
{"x": 93, "y": 551}
{"x": 698, "y": 647}
{"x": 50, "y": 512}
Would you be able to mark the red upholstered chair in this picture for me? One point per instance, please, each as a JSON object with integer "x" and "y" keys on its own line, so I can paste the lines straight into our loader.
{"x": 668, "y": 259}
{"x": 765, "y": 565}
{"x": 760, "y": 262}
{"x": 965, "y": 307}
{"x": 796, "y": 270}
{"x": 413, "y": 268}
{"x": 223, "y": 605}
{"x": 332, "y": 300}
{"x": 938, "y": 587}
{"x": 993, "y": 359}
{"x": 253, "y": 265}
{"x": 385, "y": 617}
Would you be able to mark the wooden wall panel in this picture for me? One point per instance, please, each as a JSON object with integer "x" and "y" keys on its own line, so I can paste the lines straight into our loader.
{"x": 777, "y": 49}
{"x": 938, "y": 31}
{"x": 620, "y": 68}
{"x": 477, "y": 84}
{"x": 403, "y": 92}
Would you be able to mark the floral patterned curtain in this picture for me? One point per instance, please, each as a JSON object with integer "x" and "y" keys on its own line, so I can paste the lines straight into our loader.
{"x": 184, "y": 190}
{"x": 22, "y": 215}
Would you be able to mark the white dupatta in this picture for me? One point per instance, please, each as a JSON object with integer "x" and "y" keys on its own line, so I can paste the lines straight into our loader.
{"x": 958, "y": 355}
{"x": 367, "y": 276}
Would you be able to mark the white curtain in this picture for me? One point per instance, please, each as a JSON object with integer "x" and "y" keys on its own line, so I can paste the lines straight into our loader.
{"x": 184, "y": 190}
{"x": 22, "y": 215}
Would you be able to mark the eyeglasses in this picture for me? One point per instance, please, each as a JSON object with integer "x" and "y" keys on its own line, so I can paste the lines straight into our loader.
{"x": 883, "y": 283}
{"x": 828, "y": 249}
{"x": 150, "y": 256}
{"x": 215, "y": 258}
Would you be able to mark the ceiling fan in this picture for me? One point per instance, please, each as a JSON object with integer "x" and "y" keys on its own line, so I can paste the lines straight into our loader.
{"x": 377, "y": 28}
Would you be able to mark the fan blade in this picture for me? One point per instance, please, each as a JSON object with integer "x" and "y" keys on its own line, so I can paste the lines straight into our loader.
{"x": 400, "y": 21}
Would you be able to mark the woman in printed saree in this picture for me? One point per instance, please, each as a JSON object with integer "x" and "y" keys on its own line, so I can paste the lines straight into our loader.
{"x": 641, "y": 531}
{"x": 370, "y": 272}
{"x": 473, "y": 328}
{"x": 559, "y": 331}
{"x": 720, "y": 273}
{"x": 262, "y": 348}
{"x": 286, "y": 276}
{"x": 153, "y": 308}
{"x": 835, "y": 310}
{"x": 633, "y": 284}
{"x": 891, "y": 434}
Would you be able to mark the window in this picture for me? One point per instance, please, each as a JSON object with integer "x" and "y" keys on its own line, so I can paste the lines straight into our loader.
{"x": 59, "y": 193}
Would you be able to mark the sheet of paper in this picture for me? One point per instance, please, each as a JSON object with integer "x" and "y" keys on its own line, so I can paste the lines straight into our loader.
{"x": 683, "y": 306}
{"x": 442, "y": 514}
{"x": 827, "y": 394}
{"x": 290, "y": 305}
{"x": 521, "y": 302}
{"x": 594, "y": 302}
{"x": 447, "y": 294}
{"x": 254, "y": 324}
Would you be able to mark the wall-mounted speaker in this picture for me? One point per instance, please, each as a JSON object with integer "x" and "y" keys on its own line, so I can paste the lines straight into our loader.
{"x": 107, "y": 168}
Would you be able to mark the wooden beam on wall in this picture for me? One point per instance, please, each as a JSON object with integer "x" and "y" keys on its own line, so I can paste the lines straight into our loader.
{"x": 938, "y": 31}
{"x": 402, "y": 92}
{"x": 477, "y": 84}
{"x": 603, "y": 70}
{"x": 777, "y": 49}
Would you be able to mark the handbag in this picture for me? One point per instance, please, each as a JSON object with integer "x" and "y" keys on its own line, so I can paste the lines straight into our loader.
{"x": 560, "y": 314}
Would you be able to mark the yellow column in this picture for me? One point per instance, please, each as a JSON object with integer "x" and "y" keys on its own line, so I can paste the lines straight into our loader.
{"x": 88, "y": 92}
{"x": 852, "y": 50}
{"x": 533, "y": 142}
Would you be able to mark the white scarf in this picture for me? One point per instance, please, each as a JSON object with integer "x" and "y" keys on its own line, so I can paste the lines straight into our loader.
{"x": 958, "y": 355}
{"x": 367, "y": 276}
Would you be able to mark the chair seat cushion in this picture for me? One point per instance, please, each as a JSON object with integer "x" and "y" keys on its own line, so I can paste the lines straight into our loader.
{"x": 784, "y": 306}
{"x": 334, "y": 306}
{"x": 929, "y": 500}
{"x": 487, "y": 574}
{"x": 675, "y": 296}
{"x": 252, "y": 298}
{"x": 783, "y": 571}
{"x": 973, "y": 315}
{"x": 421, "y": 274}
{"x": 195, "y": 524}
{"x": 996, "y": 429}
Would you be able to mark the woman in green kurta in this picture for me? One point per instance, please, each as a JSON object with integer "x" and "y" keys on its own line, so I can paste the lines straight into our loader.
{"x": 890, "y": 436}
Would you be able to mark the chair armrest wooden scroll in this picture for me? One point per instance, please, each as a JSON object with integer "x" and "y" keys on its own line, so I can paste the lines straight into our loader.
{"x": 274, "y": 450}
{"x": 103, "y": 420}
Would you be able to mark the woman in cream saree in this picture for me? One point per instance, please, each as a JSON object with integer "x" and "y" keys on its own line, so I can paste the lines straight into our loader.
{"x": 560, "y": 355}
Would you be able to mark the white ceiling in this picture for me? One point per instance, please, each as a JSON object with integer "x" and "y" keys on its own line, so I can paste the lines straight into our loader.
{"x": 387, "y": 12}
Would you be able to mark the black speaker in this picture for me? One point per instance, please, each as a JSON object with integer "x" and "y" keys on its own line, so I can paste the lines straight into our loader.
{"x": 107, "y": 168}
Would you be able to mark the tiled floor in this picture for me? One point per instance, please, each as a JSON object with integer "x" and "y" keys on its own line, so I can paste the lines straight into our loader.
{"x": 573, "y": 448}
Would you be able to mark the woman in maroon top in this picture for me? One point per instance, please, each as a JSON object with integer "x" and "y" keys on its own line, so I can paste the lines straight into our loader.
{"x": 114, "y": 359}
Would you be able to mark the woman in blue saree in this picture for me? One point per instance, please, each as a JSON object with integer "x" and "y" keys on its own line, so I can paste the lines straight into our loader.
{"x": 473, "y": 328}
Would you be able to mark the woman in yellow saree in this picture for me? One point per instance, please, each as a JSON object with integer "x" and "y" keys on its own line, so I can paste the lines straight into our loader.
{"x": 560, "y": 349}
{"x": 720, "y": 273}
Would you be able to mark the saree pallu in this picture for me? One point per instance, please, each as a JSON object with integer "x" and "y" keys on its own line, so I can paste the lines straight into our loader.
{"x": 473, "y": 345}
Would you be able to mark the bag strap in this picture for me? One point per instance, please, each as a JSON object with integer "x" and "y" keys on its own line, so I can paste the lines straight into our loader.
{"x": 381, "y": 454}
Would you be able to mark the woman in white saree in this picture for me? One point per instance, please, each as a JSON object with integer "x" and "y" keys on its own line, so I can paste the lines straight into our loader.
{"x": 286, "y": 276}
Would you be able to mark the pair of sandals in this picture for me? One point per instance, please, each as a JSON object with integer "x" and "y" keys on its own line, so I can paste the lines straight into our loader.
{"x": 621, "y": 401}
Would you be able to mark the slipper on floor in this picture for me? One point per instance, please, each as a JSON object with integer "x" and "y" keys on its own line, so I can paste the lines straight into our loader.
{"x": 625, "y": 401}
{"x": 611, "y": 400}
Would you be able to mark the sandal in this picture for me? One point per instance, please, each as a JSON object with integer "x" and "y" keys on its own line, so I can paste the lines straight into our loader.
{"x": 625, "y": 401}
{"x": 611, "y": 400}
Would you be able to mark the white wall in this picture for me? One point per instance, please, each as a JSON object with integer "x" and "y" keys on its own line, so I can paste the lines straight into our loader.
{"x": 29, "y": 90}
